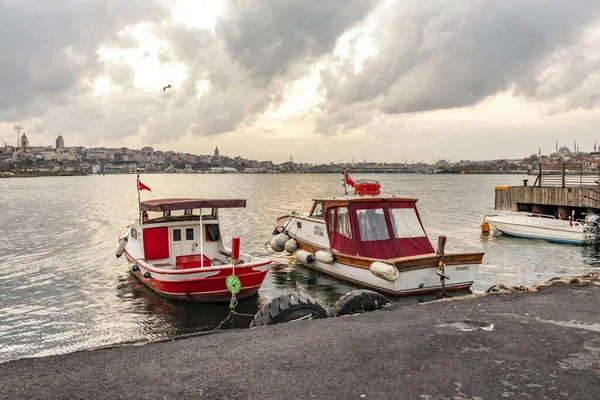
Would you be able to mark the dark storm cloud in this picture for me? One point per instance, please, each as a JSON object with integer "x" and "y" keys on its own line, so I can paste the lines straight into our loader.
{"x": 48, "y": 46}
{"x": 439, "y": 55}
{"x": 267, "y": 36}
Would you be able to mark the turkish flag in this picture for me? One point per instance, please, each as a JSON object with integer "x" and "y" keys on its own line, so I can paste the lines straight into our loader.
{"x": 349, "y": 180}
{"x": 141, "y": 186}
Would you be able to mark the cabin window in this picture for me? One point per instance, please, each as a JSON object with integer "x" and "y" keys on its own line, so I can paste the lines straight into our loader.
{"x": 343, "y": 222}
{"x": 299, "y": 225}
{"x": 331, "y": 213}
{"x": 372, "y": 225}
{"x": 406, "y": 223}
{"x": 177, "y": 235}
{"x": 189, "y": 234}
{"x": 317, "y": 211}
{"x": 134, "y": 233}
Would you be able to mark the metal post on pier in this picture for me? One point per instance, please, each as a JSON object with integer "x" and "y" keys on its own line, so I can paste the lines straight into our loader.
{"x": 564, "y": 169}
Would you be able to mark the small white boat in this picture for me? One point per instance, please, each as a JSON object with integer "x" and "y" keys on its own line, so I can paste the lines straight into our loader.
{"x": 177, "y": 250}
{"x": 547, "y": 227}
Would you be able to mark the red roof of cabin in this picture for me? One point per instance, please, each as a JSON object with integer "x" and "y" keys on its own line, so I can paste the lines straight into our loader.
{"x": 186, "y": 204}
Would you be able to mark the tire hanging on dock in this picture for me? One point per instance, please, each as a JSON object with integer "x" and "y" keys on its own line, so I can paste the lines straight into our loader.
{"x": 288, "y": 307}
{"x": 358, "y": 301}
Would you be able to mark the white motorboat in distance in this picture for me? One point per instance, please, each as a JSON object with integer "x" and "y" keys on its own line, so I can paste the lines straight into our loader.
{"x": 547, "y": 227}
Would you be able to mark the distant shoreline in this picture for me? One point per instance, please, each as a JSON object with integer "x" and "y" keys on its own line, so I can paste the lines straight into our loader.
{"x": 55, "y": 174}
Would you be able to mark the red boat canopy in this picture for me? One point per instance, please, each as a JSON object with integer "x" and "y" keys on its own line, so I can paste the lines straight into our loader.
{"x": 187, "y": 204}
{"x": 376, "y": 227}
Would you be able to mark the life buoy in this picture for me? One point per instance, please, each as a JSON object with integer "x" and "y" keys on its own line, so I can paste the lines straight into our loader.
{"x": 367, "y": 187}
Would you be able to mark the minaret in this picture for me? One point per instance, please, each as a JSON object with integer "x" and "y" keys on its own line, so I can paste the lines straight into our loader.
{"x": 557, "y": 146}
{"x": 539, "y": 152}
{"x": 574, "y": 146}
{"x": 595, "y": 147}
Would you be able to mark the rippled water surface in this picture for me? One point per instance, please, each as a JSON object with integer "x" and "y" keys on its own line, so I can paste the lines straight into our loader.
{"x": 62, "y": 289}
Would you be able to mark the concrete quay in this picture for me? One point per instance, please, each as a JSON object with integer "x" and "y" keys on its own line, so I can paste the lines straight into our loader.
{"x": 539, "y": 344}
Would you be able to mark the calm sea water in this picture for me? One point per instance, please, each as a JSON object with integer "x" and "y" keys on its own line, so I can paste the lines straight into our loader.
{"x": 62, "y": 289}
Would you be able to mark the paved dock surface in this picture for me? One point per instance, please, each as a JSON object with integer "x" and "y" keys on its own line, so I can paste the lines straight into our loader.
{"x": 537, "y": 345}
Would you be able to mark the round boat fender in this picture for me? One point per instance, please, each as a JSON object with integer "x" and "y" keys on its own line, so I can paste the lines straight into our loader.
{"x": 146, "y": 274}
{"x": 135, "y": 268}
{"x": 324, "y": 257}
{"x": 280, "y": 239}
{"x": 288, "y": 307}
{"x": 121, "y": 247}
{"x": 291, "y": 246}
{"x": 275, "y": 246}
{"x": 384, "y": 271}
{"x": 305, "y": 256}
{"x": 358, "y": 301}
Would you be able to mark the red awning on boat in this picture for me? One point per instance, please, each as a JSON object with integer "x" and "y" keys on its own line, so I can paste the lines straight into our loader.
{"x": 186, "y": 204}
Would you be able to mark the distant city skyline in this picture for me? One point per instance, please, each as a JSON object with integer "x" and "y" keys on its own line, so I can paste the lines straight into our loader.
{"x": 316, "y": 80}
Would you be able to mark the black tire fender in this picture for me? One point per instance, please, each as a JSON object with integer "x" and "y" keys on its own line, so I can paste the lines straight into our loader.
{"x": 288, "y": 307}
{"x": 358, "y": 301}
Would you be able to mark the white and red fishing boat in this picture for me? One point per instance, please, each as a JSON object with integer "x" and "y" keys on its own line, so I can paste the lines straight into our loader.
{"x": 373, "y": 241}
{"x": 177, "y": 251}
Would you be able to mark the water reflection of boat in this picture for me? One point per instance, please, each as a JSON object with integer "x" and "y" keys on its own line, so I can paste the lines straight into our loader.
{"x": 547, "y": 227}
{"x": 373, "y": 241}
{"x": 181, "y": 255}
{"x": 159, "y": 317}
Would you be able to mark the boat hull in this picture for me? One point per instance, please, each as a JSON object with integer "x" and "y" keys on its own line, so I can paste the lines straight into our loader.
{"x": 204, "y": 285}
{"x": 417, "y": 275}
{"x": 551, "y": 230}
{"x": 412, "y": 282}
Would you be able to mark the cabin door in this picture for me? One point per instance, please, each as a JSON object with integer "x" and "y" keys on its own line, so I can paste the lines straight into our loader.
{"x": 184, "y": 242}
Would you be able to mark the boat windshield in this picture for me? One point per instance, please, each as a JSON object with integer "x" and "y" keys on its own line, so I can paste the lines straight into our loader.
{"x": 371, "y": 223}
{"x": 405, "y": 223}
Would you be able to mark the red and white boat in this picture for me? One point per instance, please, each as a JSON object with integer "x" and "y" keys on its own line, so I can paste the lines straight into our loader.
{"x": 373, "y": 241}
{"x": 179, "y": 255}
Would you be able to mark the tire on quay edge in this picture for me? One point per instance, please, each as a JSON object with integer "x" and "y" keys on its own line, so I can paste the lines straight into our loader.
{"x": 358, "y": 301}
{"x": 288, "y": 307}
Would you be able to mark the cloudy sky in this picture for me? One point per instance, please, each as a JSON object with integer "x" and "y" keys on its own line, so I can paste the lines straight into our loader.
{"x": 319, "y": 80}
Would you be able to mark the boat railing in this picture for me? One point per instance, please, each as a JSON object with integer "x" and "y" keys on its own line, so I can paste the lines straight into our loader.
{"x": 542, "y": 215}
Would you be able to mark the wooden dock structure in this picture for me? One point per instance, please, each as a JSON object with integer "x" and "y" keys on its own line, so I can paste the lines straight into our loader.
{"x": 559, "y": 189}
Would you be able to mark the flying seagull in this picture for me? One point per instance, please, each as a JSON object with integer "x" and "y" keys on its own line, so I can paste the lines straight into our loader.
{"x": 167, "y": 87}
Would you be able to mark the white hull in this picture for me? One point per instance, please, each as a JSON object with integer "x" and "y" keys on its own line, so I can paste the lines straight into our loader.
{"x": 536, "y": 227}
{"x": 413, "y": 281}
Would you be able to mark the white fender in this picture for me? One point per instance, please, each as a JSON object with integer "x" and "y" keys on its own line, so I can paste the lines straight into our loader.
{"x": 281, "y": 239}
{"x": 324, "y": 257}
{"x": 275, "y": 246}
{"x": 291, "y": 246}
{"x": 121, "y": 247}
{"x": 305, "y": 256}
{"x": 384, "y": 271}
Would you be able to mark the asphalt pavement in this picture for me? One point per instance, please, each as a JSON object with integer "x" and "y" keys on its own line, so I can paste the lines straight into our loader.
{"x": 542, "y": 344}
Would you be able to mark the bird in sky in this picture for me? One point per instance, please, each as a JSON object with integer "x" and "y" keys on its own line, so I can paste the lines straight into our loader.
{"x": 167, "y": 87}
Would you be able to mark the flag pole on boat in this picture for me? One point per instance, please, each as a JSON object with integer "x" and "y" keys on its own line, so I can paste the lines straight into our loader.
{"x": 139, "y": 201}
{"x": 344, "y": 172}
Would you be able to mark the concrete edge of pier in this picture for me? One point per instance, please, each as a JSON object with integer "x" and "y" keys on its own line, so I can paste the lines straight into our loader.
{"x": 538, "y": 342}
